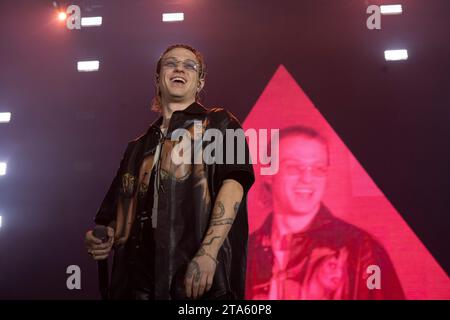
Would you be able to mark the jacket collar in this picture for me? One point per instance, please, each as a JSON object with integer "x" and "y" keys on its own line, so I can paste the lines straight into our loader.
{"x": 322, "y": 218}
{"x": 154, "y": 133}
{"x": 194, "y": 108}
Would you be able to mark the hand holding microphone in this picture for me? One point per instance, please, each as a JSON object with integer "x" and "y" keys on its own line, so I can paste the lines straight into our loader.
{"x": 99, "y": 242}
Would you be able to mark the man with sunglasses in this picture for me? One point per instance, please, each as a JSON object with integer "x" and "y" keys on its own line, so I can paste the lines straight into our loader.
{"x": 302, "y": 251}
{"x": 179, "y": 230}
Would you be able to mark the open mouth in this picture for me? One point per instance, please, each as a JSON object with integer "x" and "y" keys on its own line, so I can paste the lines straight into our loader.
{"x": 178, "y": 80}
{"x": 304, "y": 193}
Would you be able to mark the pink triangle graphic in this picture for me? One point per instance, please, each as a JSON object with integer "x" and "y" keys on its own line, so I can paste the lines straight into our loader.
{"x": 351, "y": 194}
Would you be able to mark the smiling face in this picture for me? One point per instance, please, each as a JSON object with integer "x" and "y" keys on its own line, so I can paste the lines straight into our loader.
{"x": 179, "y": 78}
{"x": 299, "y": 185}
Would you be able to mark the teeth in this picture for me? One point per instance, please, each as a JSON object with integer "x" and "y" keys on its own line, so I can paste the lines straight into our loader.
{"x": 307, "y": 191}
{"x": 178, "y": 79}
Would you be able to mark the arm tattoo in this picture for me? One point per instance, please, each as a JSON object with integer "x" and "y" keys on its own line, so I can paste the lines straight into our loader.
{"x": 222, "y": 222}
{"x": 219, "y": 212}
{"x": 202, "y": 252}
{"x": 211, "y": 241}
{"x": 236, "y": 207}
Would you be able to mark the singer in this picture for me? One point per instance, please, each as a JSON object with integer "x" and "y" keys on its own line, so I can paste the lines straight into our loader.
{"x": 178, "y": 231}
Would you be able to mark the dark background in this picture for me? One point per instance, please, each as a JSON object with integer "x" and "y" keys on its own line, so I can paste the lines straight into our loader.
{"x": 69, "y": 129}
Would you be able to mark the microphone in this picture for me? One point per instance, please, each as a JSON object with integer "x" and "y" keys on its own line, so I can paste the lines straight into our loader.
{"x": 101, "y": 233}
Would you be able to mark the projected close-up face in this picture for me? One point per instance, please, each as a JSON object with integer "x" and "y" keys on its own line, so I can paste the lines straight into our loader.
{"x": 299, "y": 185}
{"x": 179, "y": 76}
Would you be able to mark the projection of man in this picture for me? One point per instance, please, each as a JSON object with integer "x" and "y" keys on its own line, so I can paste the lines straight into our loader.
{"x": 302, "y": 251}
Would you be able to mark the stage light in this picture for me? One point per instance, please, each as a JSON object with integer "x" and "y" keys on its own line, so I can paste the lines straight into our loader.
{"x": 391, "y": 9}
{"x": 2, "y": 168}
{"x": 88, "y": 66}
{"x": 62, "y": 16}
{"x": 0, "y": 221}
{"x": 91, "y": 21}
{"x": 5, "y": 117}
{"x": 171, "y": 17}
{"x": 396, "y": 55}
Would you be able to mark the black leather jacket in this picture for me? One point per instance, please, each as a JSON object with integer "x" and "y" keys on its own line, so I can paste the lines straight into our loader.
{"x": 187, "y": 193}
{"x": 331, "y": 239}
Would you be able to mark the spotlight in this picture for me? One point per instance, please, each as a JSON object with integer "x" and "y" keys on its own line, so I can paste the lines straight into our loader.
{"x": 88, "y": 66}
{"x": 62, "y": 16}
{"x": 170, "y": 17}
{"x": 396, "y": 55}
{"x": 91, "y": 21}
{"x": 5, "y": 117}
{"x": 2, "y": 168}
{"x": 391, "y": 9}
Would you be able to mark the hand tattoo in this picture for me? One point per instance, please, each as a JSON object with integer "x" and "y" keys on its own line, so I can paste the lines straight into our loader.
{"x": 194, "y": 270}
